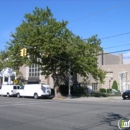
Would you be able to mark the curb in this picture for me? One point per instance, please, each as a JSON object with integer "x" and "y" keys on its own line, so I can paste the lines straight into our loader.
{"x": 90, "y": 98}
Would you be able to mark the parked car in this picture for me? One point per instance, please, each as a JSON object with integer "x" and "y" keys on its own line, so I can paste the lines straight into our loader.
{"x": 126, "y": 94}
{"x": 9, "y": 90}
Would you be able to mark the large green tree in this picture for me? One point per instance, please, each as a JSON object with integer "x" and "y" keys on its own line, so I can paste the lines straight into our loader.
{"x": 55, "y": 45}
{"x": 3, "y": 59}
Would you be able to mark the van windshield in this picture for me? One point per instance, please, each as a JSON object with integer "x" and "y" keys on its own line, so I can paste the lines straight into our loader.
{"x": 21, "y": 87}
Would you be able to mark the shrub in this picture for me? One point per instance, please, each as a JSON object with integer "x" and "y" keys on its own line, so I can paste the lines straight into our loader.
{"x": 104, "y": 95}
{"x": 102, "y": 90}
{"x": 114, "y": 85}
{"x": 20, "y": 83}
{"x": 109, "y": 91}
{"x": 97, "y": 94}
{"x": 63, "y": 89}
{"x": 74, "y": 91}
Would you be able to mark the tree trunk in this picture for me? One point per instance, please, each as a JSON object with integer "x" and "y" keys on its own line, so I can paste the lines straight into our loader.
{"x": 56, "y": 85}
{"x": 57, "y": 92}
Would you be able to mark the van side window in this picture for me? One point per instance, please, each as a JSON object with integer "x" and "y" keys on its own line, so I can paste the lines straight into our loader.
{"x": 14, "y": 87}
{"x": 0, "y": 86}
{"x": 18, "y": 87}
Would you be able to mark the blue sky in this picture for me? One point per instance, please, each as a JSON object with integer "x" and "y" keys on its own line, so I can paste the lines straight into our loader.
{"x": 86, "y": 18}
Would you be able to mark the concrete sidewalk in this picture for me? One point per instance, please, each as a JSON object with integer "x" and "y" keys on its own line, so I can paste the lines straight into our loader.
{"x": 91, "y": 98}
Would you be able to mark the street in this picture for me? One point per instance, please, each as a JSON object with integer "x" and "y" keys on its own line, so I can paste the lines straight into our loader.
{"x": 45, "y": 114}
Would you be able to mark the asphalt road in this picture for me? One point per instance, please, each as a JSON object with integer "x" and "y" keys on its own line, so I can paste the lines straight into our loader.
{"x": 41, "y": 114}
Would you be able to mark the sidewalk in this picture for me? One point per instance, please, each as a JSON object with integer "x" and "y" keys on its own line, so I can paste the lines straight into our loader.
{"x": 91, "y": 98}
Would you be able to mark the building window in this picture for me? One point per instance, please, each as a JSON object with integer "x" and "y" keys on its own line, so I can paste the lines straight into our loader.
{"x": 34, "y": 70}
{"x": 94, "y": 86}
{"x": 6, "y": 79}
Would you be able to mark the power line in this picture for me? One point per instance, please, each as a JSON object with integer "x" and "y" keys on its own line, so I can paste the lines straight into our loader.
{"x": 116, "y": 51}
{"x": 100, "y": 12}
{"x": 94, "y": 21}
{"x": 107, "y": 38}
{"x": 116, "y": 46}
{"x": 116, "y": 35}
{"x": 112, "y": 36}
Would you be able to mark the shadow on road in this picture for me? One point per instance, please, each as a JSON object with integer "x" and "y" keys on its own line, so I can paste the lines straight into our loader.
{"x": 106, "y": 119}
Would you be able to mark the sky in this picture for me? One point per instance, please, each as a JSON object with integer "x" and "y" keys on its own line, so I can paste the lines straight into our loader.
{"x": 109, "y": 19}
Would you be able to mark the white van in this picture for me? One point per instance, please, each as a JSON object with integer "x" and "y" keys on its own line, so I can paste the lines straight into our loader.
{"x": 9, "y": 90}
{"x": 34, "y": 90}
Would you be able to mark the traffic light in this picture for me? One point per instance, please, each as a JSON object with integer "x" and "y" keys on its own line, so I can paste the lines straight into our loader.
{"x": 23, "y": 52}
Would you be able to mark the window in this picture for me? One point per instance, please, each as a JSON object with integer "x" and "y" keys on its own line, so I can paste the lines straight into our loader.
{"x": 34, "y": 70}
{"x": 14, "y": 87}
{"x": 21, "y": 87}
{"x": 94, "y": 86}
{"x": 6, "y": 79}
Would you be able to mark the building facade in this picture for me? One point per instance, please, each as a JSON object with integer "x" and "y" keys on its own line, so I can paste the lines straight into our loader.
{"x": 112, "y": 64}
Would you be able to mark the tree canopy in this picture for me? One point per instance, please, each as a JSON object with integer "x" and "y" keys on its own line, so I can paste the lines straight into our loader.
{"x": 55, "y": 45}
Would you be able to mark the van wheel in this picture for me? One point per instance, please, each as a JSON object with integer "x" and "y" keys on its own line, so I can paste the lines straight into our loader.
{"x": 124, "y": 98}
{"x": 18, "y": 95}
{"x": 35, "y": 96}
{"x": 7, "y": 95}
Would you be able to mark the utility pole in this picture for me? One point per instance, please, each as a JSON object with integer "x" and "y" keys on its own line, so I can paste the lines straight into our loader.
{"x": 69, "y": 89}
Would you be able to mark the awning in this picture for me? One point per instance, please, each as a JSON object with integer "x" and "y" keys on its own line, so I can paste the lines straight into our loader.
{"x": 33, "y": 79}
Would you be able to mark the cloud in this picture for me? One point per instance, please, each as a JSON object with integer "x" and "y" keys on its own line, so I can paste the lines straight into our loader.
{"x": 126, "y": 55}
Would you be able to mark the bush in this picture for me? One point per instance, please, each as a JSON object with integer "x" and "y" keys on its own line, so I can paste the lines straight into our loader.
{"x": 102, "y": 90}
{"x": 114, "y": 85}
{"x": 104, "y": 95}
{"x": 97, "y": 94}
{"x": 20, "y": 83}
{"x": 109, "y": 91}
{"x": 63, "y": 89}
{"x": 74, "y": 91}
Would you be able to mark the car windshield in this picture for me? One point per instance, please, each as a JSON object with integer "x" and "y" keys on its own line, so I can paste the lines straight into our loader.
{"x": 127, "y": 91}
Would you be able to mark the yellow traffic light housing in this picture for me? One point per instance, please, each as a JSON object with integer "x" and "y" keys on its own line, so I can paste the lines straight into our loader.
{"x": 23, "y": 52}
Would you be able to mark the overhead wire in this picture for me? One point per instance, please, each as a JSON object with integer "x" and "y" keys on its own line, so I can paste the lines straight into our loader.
{"x": 116, "y": 46}
{"x": 116, "y": 35}
{"x": 112, "y": 36}
{"x": 100, "y": 12}
{"x": 95, "y": 20}
{"x": 115, "y": 52}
